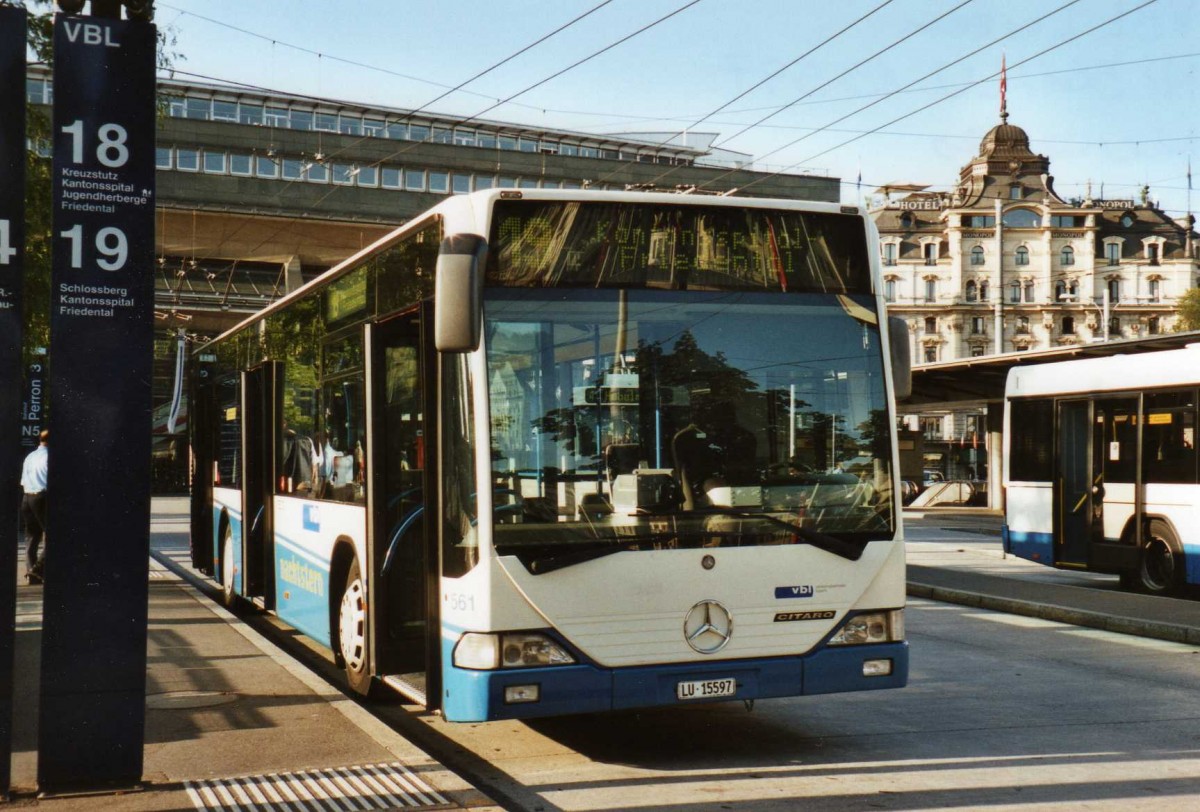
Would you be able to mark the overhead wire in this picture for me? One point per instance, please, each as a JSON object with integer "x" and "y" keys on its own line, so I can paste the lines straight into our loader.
{"x": 920, "y": 29}
{"x": 944, "y": 67}
{"x": 762, "y": 81}
{"x": 948, "y": 96}
{"x": 826, "y": 84}
{"x": 555, "y": 75}
{"x": 513, "y": 56}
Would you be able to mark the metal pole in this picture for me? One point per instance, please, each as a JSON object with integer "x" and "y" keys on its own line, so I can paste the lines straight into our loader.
{"x": 1105, "y": 309}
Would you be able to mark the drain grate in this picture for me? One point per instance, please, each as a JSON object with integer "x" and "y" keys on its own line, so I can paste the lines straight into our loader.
{"x": 372, "y": 786}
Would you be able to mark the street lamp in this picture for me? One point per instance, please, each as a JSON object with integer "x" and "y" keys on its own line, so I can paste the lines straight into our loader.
{"x": 1104, "y": 307}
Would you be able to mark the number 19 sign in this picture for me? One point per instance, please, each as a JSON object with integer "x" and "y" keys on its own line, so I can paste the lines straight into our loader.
{"x": 101, "y": 345}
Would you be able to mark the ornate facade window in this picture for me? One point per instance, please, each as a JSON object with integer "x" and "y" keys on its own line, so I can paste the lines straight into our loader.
{"x": 1154, "y": 289}
{"x": 971, "y": 291}
{"x": 1068, "y": 325}
{"x": 1028, "y": 290}
{"x": 1022, "y": 256}
{"x": 983, "y": 291}
{"x": 1021, "y": 218}
{"x": 1114, "y": 289}
{"x": 1067, "y": 256}
{"x": 977, "y": 255}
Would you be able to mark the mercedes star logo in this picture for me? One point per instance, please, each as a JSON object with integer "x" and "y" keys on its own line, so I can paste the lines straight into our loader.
{"x": 708, "y": 627}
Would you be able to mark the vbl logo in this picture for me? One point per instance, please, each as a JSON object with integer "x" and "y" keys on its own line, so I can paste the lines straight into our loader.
{"x": 804, "y": 591}
{"x": 92, "y": 34}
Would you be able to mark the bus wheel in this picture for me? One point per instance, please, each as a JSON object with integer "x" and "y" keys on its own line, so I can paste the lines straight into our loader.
{"x": 1162, "y": 561}
{"x": 352, "y": 631}
{"x": 229, "y": 596}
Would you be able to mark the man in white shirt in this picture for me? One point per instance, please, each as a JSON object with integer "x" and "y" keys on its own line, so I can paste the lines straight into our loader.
{"x": 33, "y": 508}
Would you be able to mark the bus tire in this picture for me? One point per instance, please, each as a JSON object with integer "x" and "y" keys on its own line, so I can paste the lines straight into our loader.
{"x": 229, "y": 596}
{"x": 352, "y": 632}
{"x": 1161, "y": 570}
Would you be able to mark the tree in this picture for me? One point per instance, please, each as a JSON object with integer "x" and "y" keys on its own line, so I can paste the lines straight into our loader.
{"x": 1189, "y": 311}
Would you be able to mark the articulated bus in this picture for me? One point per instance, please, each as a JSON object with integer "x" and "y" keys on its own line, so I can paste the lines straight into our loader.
{"x": 549, "y": 452}
{"x": 1100, "y": 466}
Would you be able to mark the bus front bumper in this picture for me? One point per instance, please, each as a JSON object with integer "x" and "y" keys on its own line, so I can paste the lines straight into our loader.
{"x": 477, "y": 696}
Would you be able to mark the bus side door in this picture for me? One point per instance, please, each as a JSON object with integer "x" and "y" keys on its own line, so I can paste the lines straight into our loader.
{"x": 261, "y": 390}
{"x": 203, "y": 428}
{"x": 1074, "y": 503}
{"x": 402, "y": 554}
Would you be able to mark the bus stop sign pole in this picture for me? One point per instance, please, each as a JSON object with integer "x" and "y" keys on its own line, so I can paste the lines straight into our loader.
{"x": 93, "y": 681}
{"x": 12, "y": 254}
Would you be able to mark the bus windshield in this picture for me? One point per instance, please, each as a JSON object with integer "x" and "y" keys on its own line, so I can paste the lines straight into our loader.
{"x": 658, "y": 419}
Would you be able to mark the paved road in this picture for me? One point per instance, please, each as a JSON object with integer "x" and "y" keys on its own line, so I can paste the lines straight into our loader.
{"x": 1002, "y": 711}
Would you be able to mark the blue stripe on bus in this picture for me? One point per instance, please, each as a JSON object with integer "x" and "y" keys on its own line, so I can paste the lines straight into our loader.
{"x": 302, "y": 594}
{"x": 1037, "y": 547}
{"x": 1191, "y": 557}
{"x": 476, "y": 696}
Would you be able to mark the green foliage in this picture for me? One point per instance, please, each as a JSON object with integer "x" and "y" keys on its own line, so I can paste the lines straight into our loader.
{"x": 1189, "y": 311}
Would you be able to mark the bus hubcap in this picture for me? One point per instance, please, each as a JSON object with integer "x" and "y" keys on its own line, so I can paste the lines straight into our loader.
{"x": 1160, "y": 563}
{"x": 351, "y": 626}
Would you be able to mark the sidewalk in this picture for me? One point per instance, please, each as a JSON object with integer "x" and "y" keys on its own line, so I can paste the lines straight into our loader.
{"x": 232, "y": 721}
{"x": 971, "y": 569}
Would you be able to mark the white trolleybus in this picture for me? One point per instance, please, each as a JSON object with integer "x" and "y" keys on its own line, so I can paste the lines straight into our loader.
{"x": 1100, "y": 466}
{"x": 548, "y": 452}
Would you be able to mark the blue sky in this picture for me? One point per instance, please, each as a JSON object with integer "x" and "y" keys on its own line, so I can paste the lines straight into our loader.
{"x": 1128, "y": 117}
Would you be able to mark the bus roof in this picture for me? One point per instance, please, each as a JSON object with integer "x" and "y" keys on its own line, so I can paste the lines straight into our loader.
{"x": 1116, "y": 373}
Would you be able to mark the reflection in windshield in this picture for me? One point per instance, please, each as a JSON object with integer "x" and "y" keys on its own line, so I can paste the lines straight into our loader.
{"x": 659, "y": 419}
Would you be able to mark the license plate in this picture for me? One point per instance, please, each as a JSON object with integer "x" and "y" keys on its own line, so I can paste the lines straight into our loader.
{"x": 706, "y": 688}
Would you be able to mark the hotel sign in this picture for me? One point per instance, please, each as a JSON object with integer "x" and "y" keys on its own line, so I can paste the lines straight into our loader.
{"x": 927, "y": 204}
{"x": 1115, "y": 204}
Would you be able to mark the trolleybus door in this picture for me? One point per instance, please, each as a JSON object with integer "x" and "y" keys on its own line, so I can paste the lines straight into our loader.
{"x": 402, "y": 556}
{"x": 260, "y": 391}
{"x": 202, "y": 422}
{"x": 1076, "y": 472}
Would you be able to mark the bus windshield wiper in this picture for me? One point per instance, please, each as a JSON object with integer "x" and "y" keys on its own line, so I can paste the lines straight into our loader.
{"x": 541, "y": 564}
{"x": 822, "y": 541}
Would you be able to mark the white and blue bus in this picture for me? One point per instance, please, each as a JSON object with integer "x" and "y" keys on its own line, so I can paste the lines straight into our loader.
{"x": 548, "y": 452}
{"x": 1100, "y": 467}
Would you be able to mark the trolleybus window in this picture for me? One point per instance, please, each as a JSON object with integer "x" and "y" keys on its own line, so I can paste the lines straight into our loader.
{"x": 662, "y": 419}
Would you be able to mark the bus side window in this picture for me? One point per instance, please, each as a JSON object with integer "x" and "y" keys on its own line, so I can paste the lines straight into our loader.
{"x": 342, "y": 459}
{"x": 1169, "y": 438}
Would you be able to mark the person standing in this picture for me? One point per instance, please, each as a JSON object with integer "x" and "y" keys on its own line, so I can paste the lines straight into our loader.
{"x": 33, "y": 507}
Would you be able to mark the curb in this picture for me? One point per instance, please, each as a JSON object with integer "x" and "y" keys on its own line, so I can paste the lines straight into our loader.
{"x": 1173, "y": 632}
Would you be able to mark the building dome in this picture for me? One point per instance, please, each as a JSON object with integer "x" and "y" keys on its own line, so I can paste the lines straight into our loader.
{"x": 1005, "y": 141}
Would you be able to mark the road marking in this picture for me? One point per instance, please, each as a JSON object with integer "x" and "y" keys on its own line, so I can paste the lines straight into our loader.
{"x": 1020, "y": 620}
{"x": 1137, "y": 642}
{"x": 370, "y": 786}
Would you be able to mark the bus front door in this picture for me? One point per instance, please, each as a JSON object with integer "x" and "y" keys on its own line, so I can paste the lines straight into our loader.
{"x": 202, "y": 423}
{"x": 402, "y": 556}
{"x": 1079, "y": 501}
{"x": 260, "y": 391}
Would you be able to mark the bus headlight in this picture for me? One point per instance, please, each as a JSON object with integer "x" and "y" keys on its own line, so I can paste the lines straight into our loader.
{"x": 871, "y": 627}
{"x": 486, "y": 652}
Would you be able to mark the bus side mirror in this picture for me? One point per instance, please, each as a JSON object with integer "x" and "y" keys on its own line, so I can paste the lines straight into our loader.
{"x": 457, "y": 298}
{"x": 901, "y": 358}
